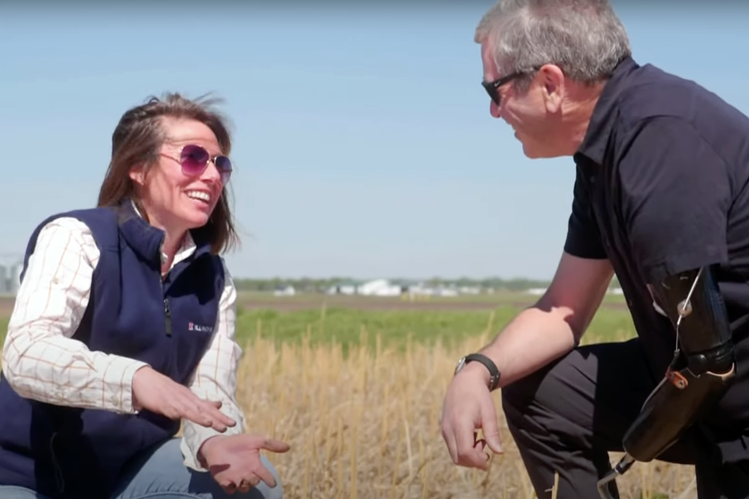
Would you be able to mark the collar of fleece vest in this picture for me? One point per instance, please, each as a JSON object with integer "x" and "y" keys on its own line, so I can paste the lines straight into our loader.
{"x": 146, "y": 240}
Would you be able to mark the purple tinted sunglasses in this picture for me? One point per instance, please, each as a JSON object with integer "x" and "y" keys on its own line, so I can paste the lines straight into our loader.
{"x": 194, "y": 160}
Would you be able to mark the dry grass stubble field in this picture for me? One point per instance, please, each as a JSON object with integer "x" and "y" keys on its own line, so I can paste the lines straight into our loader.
{"x": 366, "y": 425}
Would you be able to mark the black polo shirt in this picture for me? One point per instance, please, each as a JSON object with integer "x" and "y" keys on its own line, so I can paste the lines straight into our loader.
{"x": 661, "y": 187}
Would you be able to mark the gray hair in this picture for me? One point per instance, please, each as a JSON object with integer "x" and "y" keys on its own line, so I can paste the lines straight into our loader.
{"x": 583, "y": 37}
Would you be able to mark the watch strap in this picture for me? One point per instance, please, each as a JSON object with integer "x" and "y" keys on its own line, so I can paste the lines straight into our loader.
{"x": 490, "y": 365}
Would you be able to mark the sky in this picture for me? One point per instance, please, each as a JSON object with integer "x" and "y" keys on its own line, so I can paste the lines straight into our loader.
{"x": 363, "y": 144}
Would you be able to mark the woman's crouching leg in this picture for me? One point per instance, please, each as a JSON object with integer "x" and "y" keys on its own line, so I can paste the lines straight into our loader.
{"x": 163, "y": 475}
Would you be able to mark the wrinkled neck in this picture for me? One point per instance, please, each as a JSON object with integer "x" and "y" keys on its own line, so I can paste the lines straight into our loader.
{"x": 578, "y": 111}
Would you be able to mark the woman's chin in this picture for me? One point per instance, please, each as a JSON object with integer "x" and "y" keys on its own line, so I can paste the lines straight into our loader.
{"x": 196, "y": 220}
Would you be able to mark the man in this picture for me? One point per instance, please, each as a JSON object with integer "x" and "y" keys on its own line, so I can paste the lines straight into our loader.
{"x": 661, "y": 199}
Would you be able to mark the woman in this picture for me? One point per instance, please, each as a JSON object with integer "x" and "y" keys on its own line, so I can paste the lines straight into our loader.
{"x": 124, "y": 327}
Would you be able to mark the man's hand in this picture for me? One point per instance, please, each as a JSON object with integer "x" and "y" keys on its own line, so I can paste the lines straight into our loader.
{"x": 159, "y": 394}
{"x": 536, "y": 336}
{"x": 234, "y": 460}
{"x": 468, "y": 406}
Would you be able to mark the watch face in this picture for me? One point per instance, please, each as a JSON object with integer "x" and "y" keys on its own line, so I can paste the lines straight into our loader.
{"x": 460, "y": 365}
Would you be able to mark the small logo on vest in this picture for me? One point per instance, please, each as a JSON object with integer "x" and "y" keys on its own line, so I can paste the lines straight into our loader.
{"x": 201, "y": 329}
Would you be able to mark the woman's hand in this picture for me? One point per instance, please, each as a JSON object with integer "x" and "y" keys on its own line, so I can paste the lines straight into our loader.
{"x": 161, "y": 395}
{"x": 234, "y": 460}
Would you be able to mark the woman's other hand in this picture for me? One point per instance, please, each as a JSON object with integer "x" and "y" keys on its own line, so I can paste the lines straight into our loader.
{"x": 234, "y": 460}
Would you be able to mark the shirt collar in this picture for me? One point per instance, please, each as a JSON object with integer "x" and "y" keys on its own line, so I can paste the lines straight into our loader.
{"x": 601, "y": 122}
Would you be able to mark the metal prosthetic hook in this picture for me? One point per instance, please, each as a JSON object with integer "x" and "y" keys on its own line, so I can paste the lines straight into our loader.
{"x": 605, "y": 483}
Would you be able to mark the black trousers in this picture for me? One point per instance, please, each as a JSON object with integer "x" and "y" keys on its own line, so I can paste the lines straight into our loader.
{"x": 566, "y": 417}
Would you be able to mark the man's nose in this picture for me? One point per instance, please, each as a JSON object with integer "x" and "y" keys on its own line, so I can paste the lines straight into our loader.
{"x": 493, "y": 109}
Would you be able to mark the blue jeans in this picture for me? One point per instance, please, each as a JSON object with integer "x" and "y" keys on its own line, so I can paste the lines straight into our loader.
{"x": 162, "y": 475}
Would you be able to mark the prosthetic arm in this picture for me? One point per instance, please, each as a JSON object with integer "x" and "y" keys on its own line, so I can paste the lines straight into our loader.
{"x": 698, "y": 375}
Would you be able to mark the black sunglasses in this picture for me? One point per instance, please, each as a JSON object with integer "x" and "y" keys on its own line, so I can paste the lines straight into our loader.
{"x": 492, "y": 87}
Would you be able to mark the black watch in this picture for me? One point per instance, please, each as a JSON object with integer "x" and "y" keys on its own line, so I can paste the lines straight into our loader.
{"x": 490, "y": 365}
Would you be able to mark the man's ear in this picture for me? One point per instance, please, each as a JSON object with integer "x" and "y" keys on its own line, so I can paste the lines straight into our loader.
{"x": 553, "y": 87}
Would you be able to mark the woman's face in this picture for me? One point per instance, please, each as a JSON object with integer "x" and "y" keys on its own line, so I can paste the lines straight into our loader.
{"x": 176, "y": 197}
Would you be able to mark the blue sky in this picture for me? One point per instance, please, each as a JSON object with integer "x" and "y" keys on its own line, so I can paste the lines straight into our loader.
{"x": 363, "y": 142}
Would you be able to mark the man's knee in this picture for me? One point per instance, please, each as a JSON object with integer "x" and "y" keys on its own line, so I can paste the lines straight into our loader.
{"x": 531, "y": 391}
{"x": 556, "y": 399}
{"x": 588, "y": 397}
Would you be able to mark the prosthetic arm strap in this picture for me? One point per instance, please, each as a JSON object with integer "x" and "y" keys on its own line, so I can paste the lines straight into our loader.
{"x": 703, "y": 363}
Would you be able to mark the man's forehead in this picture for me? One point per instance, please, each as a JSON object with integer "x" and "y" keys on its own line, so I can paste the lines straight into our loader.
{"x": 486, "y": 51}
{"x": 487, "y": 58}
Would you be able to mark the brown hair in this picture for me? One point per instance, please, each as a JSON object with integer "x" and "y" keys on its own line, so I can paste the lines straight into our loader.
{"x": 137, "y": 140}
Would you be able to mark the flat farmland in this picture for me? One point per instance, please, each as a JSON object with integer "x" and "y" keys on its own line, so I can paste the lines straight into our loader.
{"x": 253, "y": 301}
{"x": 355, "y": 386}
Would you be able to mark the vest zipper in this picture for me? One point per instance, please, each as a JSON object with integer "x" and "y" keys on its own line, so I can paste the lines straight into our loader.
{"x": 168, "y": 313}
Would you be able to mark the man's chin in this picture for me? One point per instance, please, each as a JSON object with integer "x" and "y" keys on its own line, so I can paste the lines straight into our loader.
{"x": 531, "y": 152}
{"x": 534, "y": 152}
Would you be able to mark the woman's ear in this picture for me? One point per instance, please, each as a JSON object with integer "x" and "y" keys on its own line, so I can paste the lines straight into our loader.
{"x": 138, "y": 174}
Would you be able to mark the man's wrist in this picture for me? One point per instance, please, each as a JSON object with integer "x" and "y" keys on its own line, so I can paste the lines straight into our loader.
{"x": 482, "y": 365}
{"x": 476, "y": 370}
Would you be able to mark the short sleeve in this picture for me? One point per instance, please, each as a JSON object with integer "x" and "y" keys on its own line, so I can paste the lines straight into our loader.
{"x": 583, "y": 236}
{"x": 675, "y": 197}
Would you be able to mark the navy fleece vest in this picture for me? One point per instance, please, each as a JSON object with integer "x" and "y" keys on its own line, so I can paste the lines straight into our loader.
{"x": 66, "y": 452}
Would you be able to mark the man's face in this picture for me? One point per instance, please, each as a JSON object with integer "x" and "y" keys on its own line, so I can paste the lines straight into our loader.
{"x": 525, "y": 112}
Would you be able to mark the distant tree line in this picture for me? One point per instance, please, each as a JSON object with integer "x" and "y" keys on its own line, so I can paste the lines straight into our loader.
{"x": 310, "y": 285}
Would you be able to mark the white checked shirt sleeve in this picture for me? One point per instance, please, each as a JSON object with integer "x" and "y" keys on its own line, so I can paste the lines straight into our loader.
{"x": 40, "y": 359}
{"x": 216, "y": 377}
